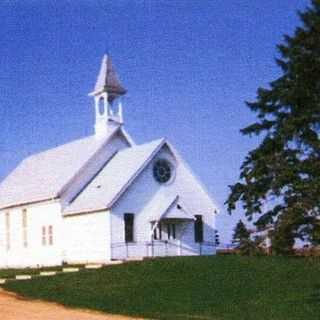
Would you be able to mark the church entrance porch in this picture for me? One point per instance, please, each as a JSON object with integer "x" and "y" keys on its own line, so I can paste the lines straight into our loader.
{"x": 159, "y": 248}
{"x": 164, "y": 228}
{"x": 168, "y": 237}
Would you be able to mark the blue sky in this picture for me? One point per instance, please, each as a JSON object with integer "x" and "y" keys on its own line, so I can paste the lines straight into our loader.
{"x": 188, "y": 67}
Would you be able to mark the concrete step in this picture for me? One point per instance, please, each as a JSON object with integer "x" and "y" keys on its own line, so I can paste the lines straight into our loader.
{"x": 70, "y": 269}
{"x": 48, "y": 273}
{"x": 114, "y": 262}
{"x": 93, "y": 266}
{"x": 134, "y": 259}
{"x": 23, "y": 277}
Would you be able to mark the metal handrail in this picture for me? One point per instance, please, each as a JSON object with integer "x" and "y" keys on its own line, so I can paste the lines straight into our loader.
{"x": 155, "y": 242}
{"x": 151, "y": 245}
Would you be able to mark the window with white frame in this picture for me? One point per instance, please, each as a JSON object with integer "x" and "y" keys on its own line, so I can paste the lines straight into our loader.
{"x": 8, "y": 244}
{"x": 171, "y": 231}
{"x": 128, "y": 227}
{"x": 50, "y": 235}
{"x": 47, "y": 235}
{"x": 44, "y": 237}
{"x": 198, "y": 229}
{"x": 25, "y": 228}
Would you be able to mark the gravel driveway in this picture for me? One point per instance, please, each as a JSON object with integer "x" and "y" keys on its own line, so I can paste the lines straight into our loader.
{"x": 14, "y": 307}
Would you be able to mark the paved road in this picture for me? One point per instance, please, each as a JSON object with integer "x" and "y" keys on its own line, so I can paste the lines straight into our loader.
{"x": 13, "y": 307}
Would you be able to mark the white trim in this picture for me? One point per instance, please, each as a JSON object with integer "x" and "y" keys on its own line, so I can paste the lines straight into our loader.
{"x": 194, "y": 176}
{"x": 30, "y": 202}
{"x": 130, "y": 181}
{"x": 127, "y": 136}
{"x": 65, "y": 187}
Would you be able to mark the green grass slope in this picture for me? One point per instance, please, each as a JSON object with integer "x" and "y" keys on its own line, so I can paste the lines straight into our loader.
{"x": 221, "y": 287}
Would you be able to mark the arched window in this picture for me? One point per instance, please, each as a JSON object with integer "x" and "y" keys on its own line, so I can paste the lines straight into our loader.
{"x": 101, "y": 106}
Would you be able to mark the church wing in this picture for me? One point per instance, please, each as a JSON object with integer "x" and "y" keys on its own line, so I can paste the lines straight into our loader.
{"x": 46, "y": 175}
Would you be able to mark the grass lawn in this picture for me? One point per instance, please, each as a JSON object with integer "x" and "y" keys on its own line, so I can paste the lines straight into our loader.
{"x": 220, "y": 287}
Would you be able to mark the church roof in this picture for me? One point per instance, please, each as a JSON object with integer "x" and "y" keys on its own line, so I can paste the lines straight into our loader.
{"x": 166, "y": 206}
{"x": 44, "y": 175}
{"x": 114, "y": 178}
{"x": 108, "y": 79}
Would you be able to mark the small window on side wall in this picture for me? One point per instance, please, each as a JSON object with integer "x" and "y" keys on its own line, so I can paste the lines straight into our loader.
{"x": 50, "y": 231}
{"x": 198, "y": 229}
{"x": 8, "y": 236}
{"x": 24, "y": 228}
{"x": 44, "y": 237}
{"x": 128, "y": 226}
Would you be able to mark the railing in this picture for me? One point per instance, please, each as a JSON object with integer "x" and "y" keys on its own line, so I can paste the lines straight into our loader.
{"x": 123, "y": 250}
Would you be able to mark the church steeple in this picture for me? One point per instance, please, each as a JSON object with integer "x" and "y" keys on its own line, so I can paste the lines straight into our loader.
{"x": 106, "y": 91}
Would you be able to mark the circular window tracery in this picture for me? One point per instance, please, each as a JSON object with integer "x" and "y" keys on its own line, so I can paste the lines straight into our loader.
{"x": 162, "y": 171}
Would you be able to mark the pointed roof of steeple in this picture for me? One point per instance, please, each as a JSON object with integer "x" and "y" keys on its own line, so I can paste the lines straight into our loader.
{"x": 108, "y": 80}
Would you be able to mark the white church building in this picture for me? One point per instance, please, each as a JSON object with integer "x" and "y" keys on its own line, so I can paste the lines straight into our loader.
{"x": 104, "y": 197}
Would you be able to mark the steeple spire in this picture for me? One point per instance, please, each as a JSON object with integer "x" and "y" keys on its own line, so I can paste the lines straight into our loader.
{"x": 108, "y": 80}
{"x": 107, "y": 89}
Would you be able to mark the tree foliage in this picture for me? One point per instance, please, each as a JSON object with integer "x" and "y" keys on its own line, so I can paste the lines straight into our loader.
{"x": 283, "y": 172}
{"x": 240, "y": 233}
{"x": 244, "y": 244}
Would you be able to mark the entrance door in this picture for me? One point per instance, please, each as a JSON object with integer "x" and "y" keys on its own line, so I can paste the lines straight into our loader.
{"x": 165, "y": 240}
{"x": 173, "y": 243}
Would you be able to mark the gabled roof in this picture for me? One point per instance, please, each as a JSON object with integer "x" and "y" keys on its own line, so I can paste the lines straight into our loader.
{"x": 114, "y": 178}
{"x": 108, "y": 80}
{"x": 177, "y": 211}
{"x": 166, "y": 206}
{"x": 44, "y": 175}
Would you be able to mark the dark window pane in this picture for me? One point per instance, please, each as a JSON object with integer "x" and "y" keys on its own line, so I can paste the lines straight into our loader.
{"x": 155, "y": 236}
{"x": 128, "y": 226}
{"x": 162, "y": 171}
{"x": 160, "y": 231}
{"x": 169, "y": 231}
{"x": 198, "y": 229}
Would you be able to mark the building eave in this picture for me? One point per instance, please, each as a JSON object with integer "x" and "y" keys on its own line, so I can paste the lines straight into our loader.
{"x": 75, "y": 176}
{"x": 83, "y": 212}
{"x": 30, "y": 202}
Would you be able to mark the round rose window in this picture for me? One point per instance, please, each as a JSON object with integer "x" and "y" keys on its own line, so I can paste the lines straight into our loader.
{"x": 162, "y": 171}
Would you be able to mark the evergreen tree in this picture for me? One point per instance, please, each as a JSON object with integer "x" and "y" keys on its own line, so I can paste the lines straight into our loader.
{"x": 241, "y": 234}
{"x": 244, "y": 245}
{"x": 284, "y": 170}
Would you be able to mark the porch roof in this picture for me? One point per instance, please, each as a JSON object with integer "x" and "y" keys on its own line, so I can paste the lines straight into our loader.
{"x": 169, "y": 208}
